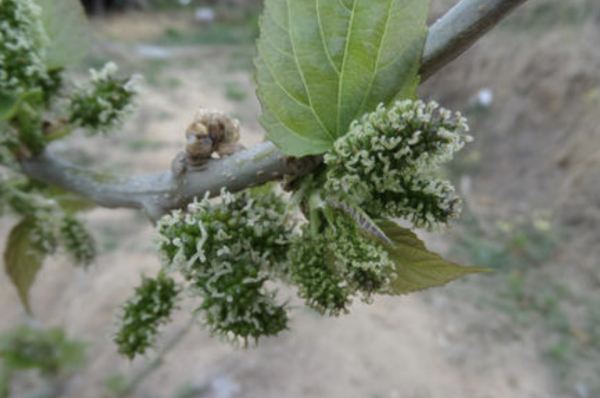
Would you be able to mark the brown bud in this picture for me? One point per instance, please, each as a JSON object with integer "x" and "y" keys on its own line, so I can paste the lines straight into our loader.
{"x": 199, "y": 145}
{"x": 221, "y": 127}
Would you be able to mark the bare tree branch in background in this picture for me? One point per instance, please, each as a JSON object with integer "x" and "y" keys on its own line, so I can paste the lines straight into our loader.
{"x": 157, "y": 194}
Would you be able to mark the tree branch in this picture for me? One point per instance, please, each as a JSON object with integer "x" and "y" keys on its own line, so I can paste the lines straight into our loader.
{"x": 460, "y": 28}
{"x": 449, "y": 37}
{"x": 161, "y": 192}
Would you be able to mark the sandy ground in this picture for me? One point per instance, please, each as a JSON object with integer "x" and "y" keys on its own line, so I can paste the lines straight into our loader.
{"x": 439, "y": 344}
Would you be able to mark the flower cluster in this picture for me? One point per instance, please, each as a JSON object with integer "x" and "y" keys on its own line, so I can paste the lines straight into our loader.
{"x": 44, "y": 214}
{"x": 22, "y": 41}
{"x": 77, "y": 241}
{"x": 332, "y": 266}
{"x": 424, "y": 200}
{"x": 143, "y": 314}
{"x": 45, "y": 231}
{"x": 386, "y": 161}
{"x": 51, "y": 352}
{"x": 227, "y": 251}
{"x": 52, "y": 226}
{"x": 364, "y": 260}
{"x": 101, "y": 104}
{"x": 313, "y": 270}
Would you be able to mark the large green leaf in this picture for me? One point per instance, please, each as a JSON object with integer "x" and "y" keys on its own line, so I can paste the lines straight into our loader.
{"x": 23, "y": 259}
{"x": 416, "y": 267}
{"x": 323, "y": 63}
{"x": 67, "y": 26}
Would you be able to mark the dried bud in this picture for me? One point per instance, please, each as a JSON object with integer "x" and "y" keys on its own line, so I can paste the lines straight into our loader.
{"x": 222, "y": 128}
{"x": 199, "y": 145}
{"x": 212, "y": 132}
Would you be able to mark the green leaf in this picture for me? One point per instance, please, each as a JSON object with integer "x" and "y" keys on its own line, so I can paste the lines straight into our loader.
{"x": 67, "y": 26}
{"x": 23, "y": 259}
{"x": 416, "y": 267}
{"x": 323, "y": 63}
{"x": 8, "y": 102}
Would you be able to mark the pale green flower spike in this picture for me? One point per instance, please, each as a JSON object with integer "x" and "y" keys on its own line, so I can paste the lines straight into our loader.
{"x": 227, "y": 251}
{"x": 143, "y": 314}
{"x": 77, "y": 241}
{"x": 335, "y": 265}
{"x": 385, "y": 163}
{"x": 102, "y": 103}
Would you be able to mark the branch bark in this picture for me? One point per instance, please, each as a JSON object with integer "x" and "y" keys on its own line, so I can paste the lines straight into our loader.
{"x": 460, "y": 28}
{"x": 157, "y": 194}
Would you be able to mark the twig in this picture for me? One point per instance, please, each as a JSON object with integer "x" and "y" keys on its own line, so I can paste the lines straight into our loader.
{"x": 157, "y": 194}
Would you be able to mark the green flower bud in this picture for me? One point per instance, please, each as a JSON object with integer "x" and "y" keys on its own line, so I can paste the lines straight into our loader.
{"x": 365, "y": 263}
{"x": 150, "y": 307}
{"x": 77, "y": 241}
{"x": 332, "y": 266}
{"x": 313, "y": 270}
{"x": 236, "y": 304}
{"x": 102, "y": 103}
{"x": 45, "y": 232}
{"x": 425, "y": 201}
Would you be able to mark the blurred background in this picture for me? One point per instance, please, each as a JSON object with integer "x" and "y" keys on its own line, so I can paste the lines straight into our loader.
{"x": 531, "y": 182}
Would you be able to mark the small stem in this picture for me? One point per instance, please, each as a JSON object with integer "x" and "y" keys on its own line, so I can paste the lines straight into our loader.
{"x": 155, "y": 364}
